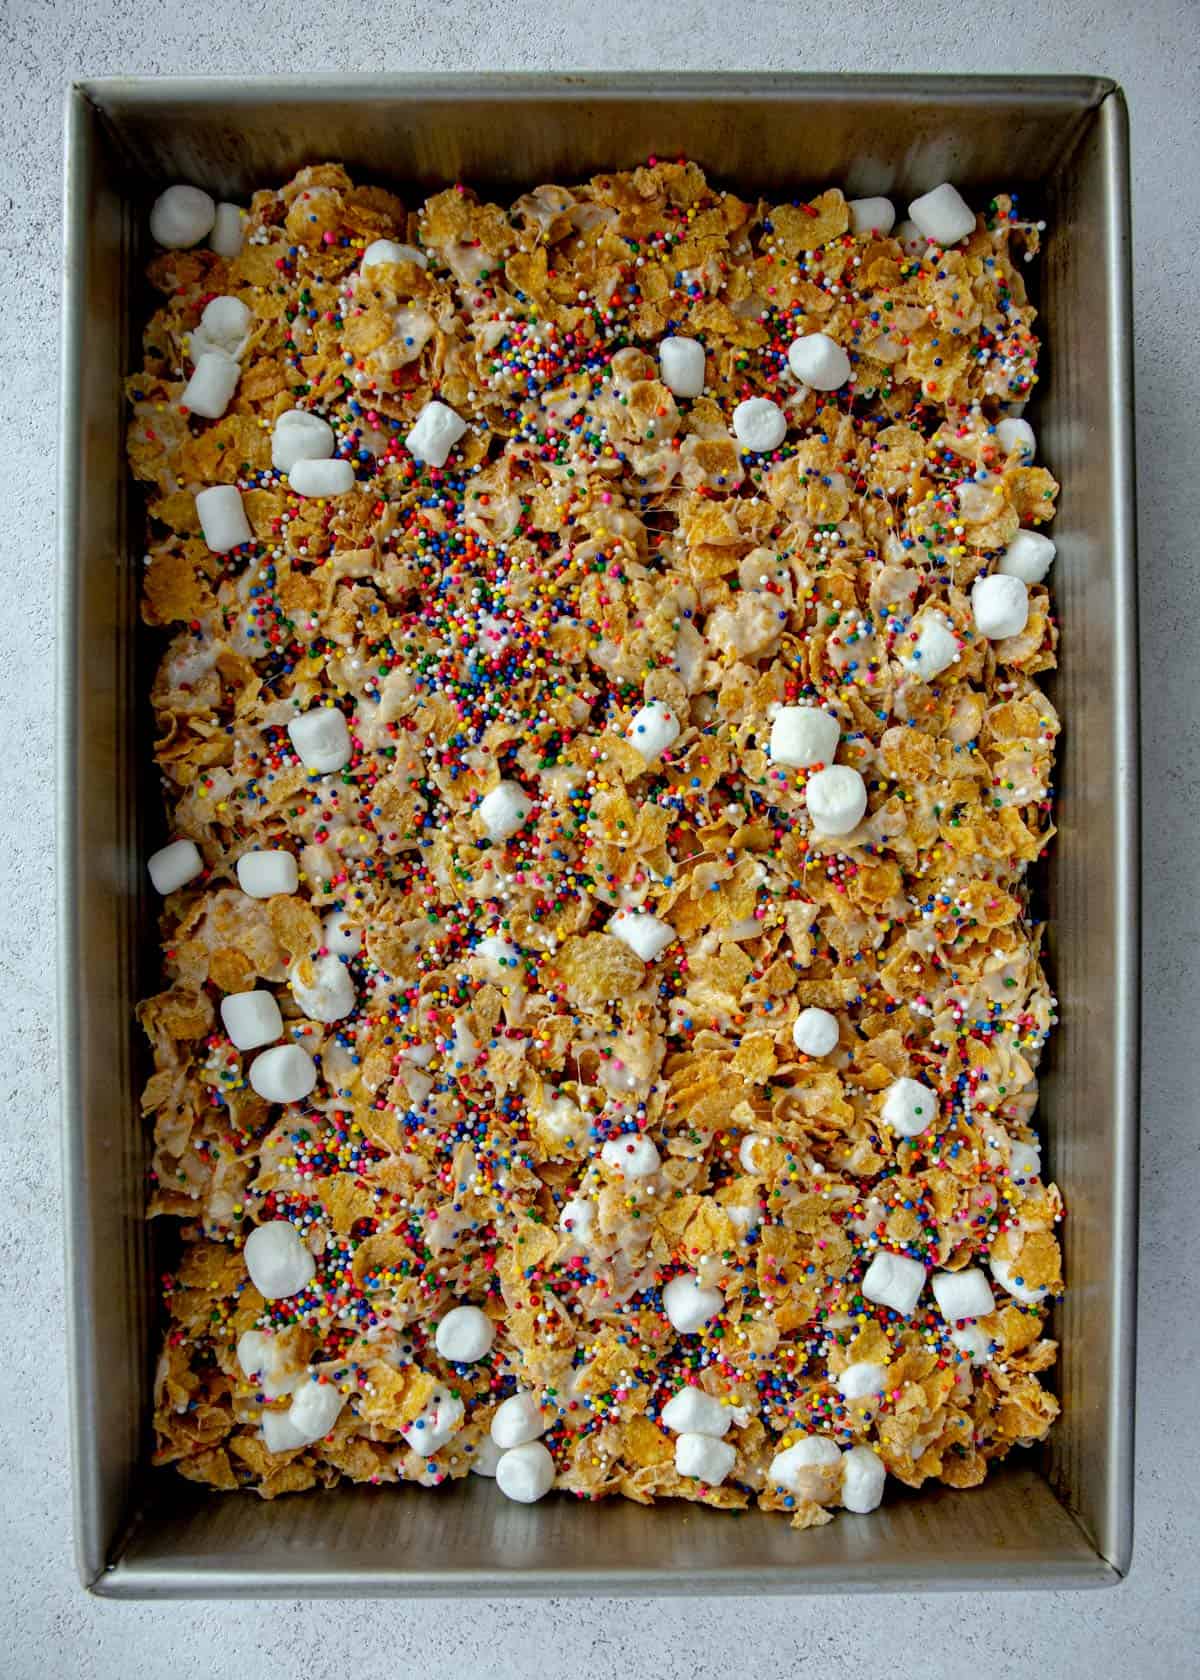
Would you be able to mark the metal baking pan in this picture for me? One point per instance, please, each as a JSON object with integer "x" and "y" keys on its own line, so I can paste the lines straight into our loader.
{"x": 1060, "y": 1517}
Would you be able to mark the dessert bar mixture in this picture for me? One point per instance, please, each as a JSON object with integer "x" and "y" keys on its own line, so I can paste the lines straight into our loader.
{"x": 599, "y": 729}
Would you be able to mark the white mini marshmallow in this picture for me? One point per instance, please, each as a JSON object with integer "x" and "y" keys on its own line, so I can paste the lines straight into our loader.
{"x": 862, "y": 1380}
{"x": 525, "y": 1473}
{"x": 263, "y": 874}
{"x": 895, "y": 1281}
{"x": 578, "y": 1219}
{"x": 224, "y": 325}
{"x": 748, "y": 1153}
{"x": 654, "y": 729}
{"x": 706, "y": 1459}
{"x": 802, "y": 736}
{"x": 321, "y": 739}
{"x": 331, "y": 996}
{"x": 315, "y": 1410}
{"x": 517, "y": 1420}
{"x": 487, "y": 1456}
{"x": 935, "y": 649}
{"x": 298, "y": 436}
{"x": 277, "y": 1260}
{"x": 911, "y": 237}
{"x": 793, "y": 1469}
{"x": 384, "y": 251}
{"x": 259, "y": 1358}
{"x": 1000, "y": 605}
{"x": 644, "y": 934}
{"x": 212, "y": 384}
{"x": 909, "y": 1108}
{"x": 285, "y": 1074}
{"x": 943, "y": 215}
{"x": 174, "y": 866}
{"x": 759, "y": 424}
{"x": 632, "y": 1156}
{"x": 815, "y": 1032}
{"x": 819, "y": 361}
{"x": 1028, "y": 556}
{"x": 280, "y": 1433}
{"x": 689, "y": 1305}
{"x": 251, "y": 1019}
{"x": 1017, "y": 437}
{"x": 963, "y": 1294}
{"x": 681, "y": 362}
{"x": 1009, "y": 1278}
{"x": 436, "y": 432}
{"x": 228, "y": 230}
{"x": 692, "y": 1412}
{"x": 222, "y": 518}
{"x": 465, "y": 1335}
{"x": 563, "y": 1119}
{"x": 871, "y": 215}
{"x": 321, "y": 478}
{"x": 863, "y": 1477}
{"x": 1024, "y": 1162}
{"x": 441, "y": 1419}
{"x": 836, "y": 799}
{"x": 181, "y": 216}
{"x": 504, "y": 810}
{"x": 974, "y": 1341}
{"x": 340, "y": 936}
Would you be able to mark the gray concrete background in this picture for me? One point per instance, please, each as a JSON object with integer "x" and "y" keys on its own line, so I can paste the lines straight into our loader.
{"x": 1151, "y": 1624}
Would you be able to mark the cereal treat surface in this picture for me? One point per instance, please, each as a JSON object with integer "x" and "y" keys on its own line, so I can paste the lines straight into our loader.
{"x": 599, "y": 728}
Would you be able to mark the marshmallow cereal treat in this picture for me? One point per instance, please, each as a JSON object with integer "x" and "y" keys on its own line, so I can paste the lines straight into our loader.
{"x": 598, "y": 720}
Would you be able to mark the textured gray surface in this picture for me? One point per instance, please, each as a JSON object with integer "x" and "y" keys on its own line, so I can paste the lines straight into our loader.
{"x": 47, "y": 1625}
